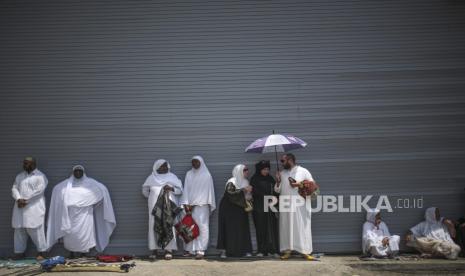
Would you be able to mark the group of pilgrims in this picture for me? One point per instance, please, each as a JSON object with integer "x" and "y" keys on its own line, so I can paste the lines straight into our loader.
{"x": 81, "y": 215}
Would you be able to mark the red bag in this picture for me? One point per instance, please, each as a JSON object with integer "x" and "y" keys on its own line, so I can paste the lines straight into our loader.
{"x": 187, "y": 228}
{"x": 114, "y": 258}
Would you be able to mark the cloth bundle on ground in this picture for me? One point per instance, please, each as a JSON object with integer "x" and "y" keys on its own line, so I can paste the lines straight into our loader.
{"x": 435, "y": 247}
{"x": 52, "y": 262}
{"x": 59, "y": 264}
{"x": 122, "y": 268}
{"x": 26, "y": 262}
{"x": 187, "y": 228}
{"x": 114, "y": 258}
{"x": 165, "y": 212}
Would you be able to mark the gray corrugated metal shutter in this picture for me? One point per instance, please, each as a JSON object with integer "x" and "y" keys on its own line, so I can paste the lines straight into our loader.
{"x": 375, "y": 88}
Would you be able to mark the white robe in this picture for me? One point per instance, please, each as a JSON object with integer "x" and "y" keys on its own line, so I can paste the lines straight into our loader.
{"x": 432, "y": 228}
{"x": 295, "y": 228}
{"x": 201, "y": 215}
{"x": 151, "y": 188}
{"x": 199, "y": 192}
{"x": 30, "y": 187}
{"x": 372, "y": 237}
{"x": 82, "y": 214}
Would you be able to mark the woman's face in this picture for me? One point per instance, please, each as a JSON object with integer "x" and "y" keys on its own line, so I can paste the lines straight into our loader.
{"x": 438, "y": 215}
{"x": 246, "y": 172}
{"x": 378, "y": 218}
{"x": 195, "y": 164}
{"x": 265, "y": 171}
{"x": 163, "y": 168}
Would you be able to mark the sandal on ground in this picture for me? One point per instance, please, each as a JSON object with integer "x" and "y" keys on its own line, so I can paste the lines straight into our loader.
{"x": 286, "y": 256}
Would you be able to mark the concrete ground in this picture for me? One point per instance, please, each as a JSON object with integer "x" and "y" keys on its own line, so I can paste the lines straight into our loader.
{"x": 329, "y": 265}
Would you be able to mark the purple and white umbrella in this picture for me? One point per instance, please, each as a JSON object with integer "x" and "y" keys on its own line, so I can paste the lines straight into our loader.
{"x": 276, "y": 143}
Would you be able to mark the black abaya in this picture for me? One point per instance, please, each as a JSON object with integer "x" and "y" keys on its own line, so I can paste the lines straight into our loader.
{"x": 233, "y": 223}
{"x": 266, "y": 223}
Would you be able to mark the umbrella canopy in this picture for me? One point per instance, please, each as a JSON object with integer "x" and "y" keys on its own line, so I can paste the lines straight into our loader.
{"x": 276, "y": 143}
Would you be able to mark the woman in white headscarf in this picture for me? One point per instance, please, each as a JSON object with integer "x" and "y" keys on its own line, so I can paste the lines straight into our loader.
{"x": 159, "y": 180}
{"x": 431, "y": 237}
{"x": 233, "y": 220}
{"x": 198, "y": 197}
{"x": 81, "y": 213}
{"x": 376, "y": 239}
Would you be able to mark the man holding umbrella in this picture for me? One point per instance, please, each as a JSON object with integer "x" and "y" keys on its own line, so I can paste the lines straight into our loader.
{"x": 294, "y": 223}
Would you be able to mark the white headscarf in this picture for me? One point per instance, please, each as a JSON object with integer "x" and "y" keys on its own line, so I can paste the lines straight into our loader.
{"x": 371, "y": 215}
{"x": 431, "y": 227}
{"x": 161, "y": 179}
{"x": 155, "y": 182}
{"x": 430, "y": 215}
{"x": 78, "y": 167}
{"x": 89, "y": 194}
{"x": 198, "y": 186}
{"x": 78, "y": 181}
{"x": 238, "y": 179}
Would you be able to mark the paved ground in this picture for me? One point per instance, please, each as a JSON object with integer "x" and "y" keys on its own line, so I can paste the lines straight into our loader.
{"x": 329, "y": 265}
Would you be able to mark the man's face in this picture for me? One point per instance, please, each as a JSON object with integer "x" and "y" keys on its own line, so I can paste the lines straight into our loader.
{"x": 163, "y": 168}
{"x": 78, "y": 173}
{"x": 195, "y": 164}
{"x": 286, "y": 162}
{"x": 29, "y": 166}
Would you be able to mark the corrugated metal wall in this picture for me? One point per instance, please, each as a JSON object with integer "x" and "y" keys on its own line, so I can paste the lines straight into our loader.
{"x": 375, "y": 87}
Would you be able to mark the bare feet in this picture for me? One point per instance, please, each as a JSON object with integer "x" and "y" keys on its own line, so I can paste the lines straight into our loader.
{"x": 40, "y": 257}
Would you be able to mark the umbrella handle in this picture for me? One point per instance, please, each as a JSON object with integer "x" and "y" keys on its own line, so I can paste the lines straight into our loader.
{"x": 276, "y": 156}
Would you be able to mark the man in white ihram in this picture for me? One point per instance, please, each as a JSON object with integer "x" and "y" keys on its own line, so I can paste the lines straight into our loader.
{"x": 295, "y": 224}
{"x": 81, "y": 213}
